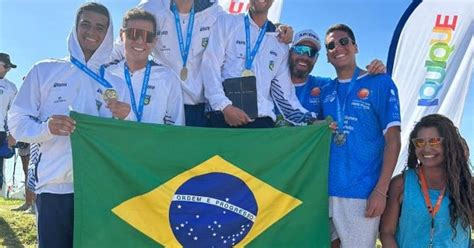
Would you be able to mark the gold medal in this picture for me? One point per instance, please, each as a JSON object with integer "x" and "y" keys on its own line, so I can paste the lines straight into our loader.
{"x": 109, "y": 94}
{"x": 183, "y": 74}
{"x": 247, "y": 73}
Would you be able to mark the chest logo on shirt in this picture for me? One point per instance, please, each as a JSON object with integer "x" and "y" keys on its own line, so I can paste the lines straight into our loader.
{"x": 60, "y": 100}
{"x": 150, "y": 87}
{"x": 204, "y": 42}
{"x": 59, "y": 84}
{"x": 271, "y": 65}
{"x": 240, "y": 42}
{"x": 273, "y": 53}
{"x": 204, "y": 29}
{"x": 363, "y": 94}
{"x": 147, "y": 99}
{"x": 316, "y": 91}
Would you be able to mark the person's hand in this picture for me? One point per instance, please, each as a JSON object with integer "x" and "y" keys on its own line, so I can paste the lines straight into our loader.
{"x": 375, "y": 204}
{"x": 234, "y": 116}
{"x": 285, "y": 33}
{"x": 11, "y": 141}
{"x": 119, "y": 109}
{"x": 376, "y": 67}
{"x": 333, "y": 126}
{"x": 61, "y": 125}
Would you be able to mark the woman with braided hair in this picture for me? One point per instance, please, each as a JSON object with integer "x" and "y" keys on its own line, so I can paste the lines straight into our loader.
{"x": 430, "y": 203}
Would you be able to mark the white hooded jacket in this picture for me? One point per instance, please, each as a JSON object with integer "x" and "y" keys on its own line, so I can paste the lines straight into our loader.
{"x": 54, "y": 87}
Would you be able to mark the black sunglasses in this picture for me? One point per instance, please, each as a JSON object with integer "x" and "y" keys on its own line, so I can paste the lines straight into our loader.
{"x": 342, "y": 42}
{"x": 135, "y": 33}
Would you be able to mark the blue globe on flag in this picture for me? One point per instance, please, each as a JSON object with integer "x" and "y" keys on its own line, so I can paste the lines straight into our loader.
{"x": 212, "y": 210}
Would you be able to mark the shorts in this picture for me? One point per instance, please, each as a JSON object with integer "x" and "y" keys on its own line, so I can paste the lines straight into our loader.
{"x": 349, "y": 224}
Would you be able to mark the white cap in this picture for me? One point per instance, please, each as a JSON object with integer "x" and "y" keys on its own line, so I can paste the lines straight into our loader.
{"x": 307, "y": 35}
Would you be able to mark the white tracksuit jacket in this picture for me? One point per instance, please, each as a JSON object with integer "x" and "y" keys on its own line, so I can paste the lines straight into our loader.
{"x": 7, "y": 94}
{"x": 225, "y": 58}
{"x": 52, "y": 87}
{"x": 164, "y": 100}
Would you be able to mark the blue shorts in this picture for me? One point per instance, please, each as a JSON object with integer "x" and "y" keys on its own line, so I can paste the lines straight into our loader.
{"x": 55, "y": 220}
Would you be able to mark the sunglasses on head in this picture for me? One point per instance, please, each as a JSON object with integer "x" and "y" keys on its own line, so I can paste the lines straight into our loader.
{"x": 432, "y": 142}
{"x": 342, "y": 42}
{"x": 135, "y": 33}
{"x": 305, "y": 50}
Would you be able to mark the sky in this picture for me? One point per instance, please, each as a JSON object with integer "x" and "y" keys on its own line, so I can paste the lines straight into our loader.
{"x": 33, "y": 30}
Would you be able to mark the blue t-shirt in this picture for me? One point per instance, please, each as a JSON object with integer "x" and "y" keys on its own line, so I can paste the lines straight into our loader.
{"x": 308, "y": 94}
{"x": 372, "y": 106}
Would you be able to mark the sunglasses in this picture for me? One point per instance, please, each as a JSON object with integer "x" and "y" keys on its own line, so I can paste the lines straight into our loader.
{"x": 342, "y": 42}
{"x": 4, "y": 65}
{"x": 305, "y": 50}
{"x": 432, "y": 142}
{"x": 135, "y": 33}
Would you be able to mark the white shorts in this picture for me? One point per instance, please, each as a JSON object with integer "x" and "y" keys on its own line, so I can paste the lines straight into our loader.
{"x": 349, "y": 224}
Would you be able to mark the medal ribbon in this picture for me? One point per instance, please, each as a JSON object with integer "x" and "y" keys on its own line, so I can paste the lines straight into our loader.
{"x": 184, "y": 48}
{"x": 90, "y": 73}
{"x": 341, "y": 111}
{"x": 250, "y": 55}
{"x": 138, "y": 111}
{"x": 432, "y": 211}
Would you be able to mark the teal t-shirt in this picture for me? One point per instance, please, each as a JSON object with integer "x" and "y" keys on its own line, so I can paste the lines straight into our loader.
{"x": 414, "y": 223}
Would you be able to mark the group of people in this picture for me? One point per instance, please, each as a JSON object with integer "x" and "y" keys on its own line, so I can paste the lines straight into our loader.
{"x": 196, "y": 48}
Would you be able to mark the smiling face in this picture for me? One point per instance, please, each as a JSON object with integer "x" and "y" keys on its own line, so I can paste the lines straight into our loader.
{"x": 137, "y": 49}
{"x": 429, "y": 155}
{"x": 302, "y": 65}
{"x": 91, "y": 30}
{"x": 341, "y": 56}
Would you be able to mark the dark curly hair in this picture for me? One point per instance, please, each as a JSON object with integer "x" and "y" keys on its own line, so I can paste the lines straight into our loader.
{"x": 458, "y": 174}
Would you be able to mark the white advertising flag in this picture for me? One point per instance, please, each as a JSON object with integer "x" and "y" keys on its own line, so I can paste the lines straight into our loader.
{"x": 431, "y": 60}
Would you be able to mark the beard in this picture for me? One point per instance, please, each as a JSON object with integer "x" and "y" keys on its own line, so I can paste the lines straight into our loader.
{"x": 300, "y": 73}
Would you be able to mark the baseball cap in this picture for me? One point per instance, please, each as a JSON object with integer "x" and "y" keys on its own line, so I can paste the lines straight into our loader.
{"x": 6, "y": 59}
{"x": 307, "y": 35}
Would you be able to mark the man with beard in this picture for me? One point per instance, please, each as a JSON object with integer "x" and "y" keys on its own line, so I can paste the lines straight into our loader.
{"x": 303, "y": 56}
{"x": 246, "y": 47}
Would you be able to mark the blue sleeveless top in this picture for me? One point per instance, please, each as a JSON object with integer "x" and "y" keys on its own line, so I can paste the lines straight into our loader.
{"x": 414, "y": 224}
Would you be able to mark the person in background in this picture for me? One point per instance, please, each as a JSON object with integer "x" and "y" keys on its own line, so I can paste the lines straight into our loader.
{"x": 8, "y": 91}
{"x": 365, "y": 144}
{"x": 430, "y": 203}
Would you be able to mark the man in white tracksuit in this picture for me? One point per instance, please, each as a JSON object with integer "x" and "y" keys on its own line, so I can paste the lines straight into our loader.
{"x": 167, "y": 50}
{"x": 157, "y": 96}
{"x": 226, "y": 57}
{"x": 185, "y": 59}
{"x": 39, "y": 115}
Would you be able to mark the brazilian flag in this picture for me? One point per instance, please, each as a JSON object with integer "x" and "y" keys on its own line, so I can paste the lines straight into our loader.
{"x": 144, "y": 185}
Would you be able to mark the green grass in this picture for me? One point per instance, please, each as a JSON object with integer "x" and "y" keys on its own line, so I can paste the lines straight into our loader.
{"x": 17, "y": 229}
